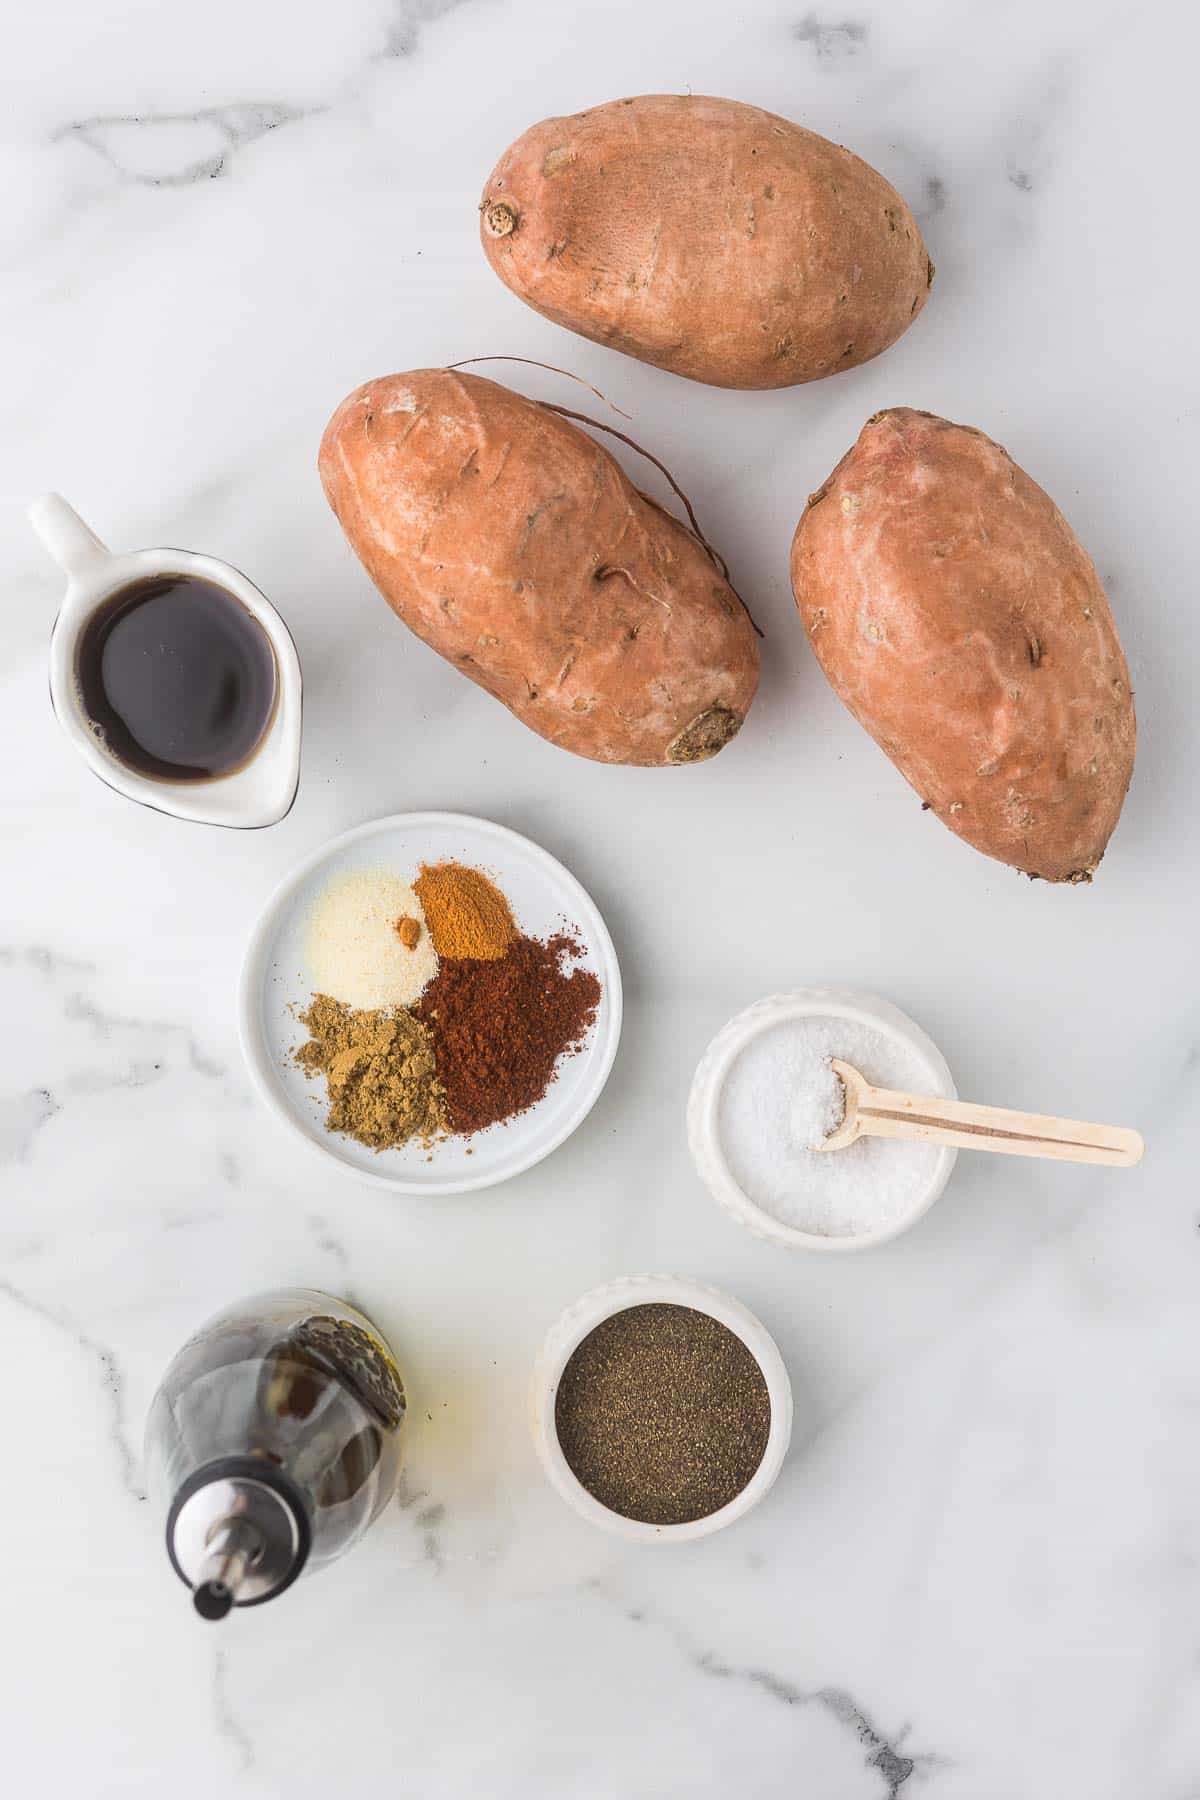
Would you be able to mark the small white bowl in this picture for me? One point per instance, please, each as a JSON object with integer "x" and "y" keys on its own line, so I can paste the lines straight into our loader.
{"x": 262, "y": 791}
{"x": 704, "y": 1101}
{"x": 579, "y": 1320}
{"x": 273, "y": 987}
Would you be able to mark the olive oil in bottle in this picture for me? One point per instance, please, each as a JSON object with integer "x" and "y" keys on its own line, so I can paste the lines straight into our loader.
{"x": 273, "y": 1442}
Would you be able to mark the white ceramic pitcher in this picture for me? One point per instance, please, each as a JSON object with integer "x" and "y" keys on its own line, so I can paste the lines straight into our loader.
{"x": 260, "y": 792}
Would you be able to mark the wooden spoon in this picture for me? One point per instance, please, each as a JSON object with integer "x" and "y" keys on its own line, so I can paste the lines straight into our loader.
{"x": 926, "y": 1119}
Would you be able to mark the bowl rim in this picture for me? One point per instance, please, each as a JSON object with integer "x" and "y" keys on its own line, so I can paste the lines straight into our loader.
{"x": 704, "y": 1140}
{"x": 261, "y": 1064}
{"x": 578, "y": 1321}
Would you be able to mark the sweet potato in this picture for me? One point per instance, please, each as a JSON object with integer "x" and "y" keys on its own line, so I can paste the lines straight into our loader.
{"x": 962, "y": 623}
{"x": 708, "y": 237}
{"x": 516, "y": 546}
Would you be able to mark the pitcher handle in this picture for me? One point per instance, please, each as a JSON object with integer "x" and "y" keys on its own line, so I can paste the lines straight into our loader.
{"x": 73, "y": 544}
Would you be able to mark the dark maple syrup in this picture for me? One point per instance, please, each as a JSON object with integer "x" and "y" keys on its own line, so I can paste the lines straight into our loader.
{"x": 177, "y": 678}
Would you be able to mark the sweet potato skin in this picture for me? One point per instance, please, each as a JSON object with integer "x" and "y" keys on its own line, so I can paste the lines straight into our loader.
{"x": 958, "y": 617}
{"x": 708, "y": 237}
{"x": 516, "y": 546}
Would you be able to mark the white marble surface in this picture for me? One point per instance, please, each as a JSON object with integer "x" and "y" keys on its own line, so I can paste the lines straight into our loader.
{"x": 979, "y": 1575}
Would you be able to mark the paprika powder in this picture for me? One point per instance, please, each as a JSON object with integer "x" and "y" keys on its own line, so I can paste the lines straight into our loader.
{"x": 499, "y": 1027}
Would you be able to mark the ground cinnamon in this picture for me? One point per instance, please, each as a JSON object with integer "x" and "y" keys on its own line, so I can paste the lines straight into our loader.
{"x": 499, "y": 1028}
{"x": 467, "y": 915}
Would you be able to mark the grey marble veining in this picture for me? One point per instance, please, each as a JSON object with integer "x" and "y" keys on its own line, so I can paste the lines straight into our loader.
{"x": 107, "y": 1374}
{"x": 173, "y": 149}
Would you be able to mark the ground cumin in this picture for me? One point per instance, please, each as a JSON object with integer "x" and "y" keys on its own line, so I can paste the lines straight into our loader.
{"x": 500, "y": 1027}
{"x": 380, "y": 1069}
{"x": 467, "y": 915}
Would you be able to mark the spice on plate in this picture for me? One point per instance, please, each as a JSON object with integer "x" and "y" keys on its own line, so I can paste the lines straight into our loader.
{"x": 781, "y": 1096}
{"x": 431, "y": 1015}
{"x": 408, "y": 931}
{"x": 380, "y": 1070}
{"x": 467, "y": 915}
{"x": 355, "y": 954}
{"x": 500, "y": 1027}
{"x": 663, "y": 1414}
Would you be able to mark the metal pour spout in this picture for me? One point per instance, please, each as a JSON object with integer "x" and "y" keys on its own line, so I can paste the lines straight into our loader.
{"x": 235, "y": 1545}
{"x": 237, "y": 1533}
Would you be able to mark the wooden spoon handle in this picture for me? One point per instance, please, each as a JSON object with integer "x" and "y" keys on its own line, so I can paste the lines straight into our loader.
{"x": 888, "y": 1113}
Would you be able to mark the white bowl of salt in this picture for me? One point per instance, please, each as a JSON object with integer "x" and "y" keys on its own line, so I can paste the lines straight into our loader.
{"x": 764, "y": 1093}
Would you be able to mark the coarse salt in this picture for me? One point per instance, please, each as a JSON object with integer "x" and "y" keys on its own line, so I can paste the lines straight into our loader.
{"x": 781, "y": 1096}
{"x": 355, "y": 952}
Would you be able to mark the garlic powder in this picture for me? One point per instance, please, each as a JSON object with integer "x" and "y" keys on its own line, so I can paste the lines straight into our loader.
{"x": 356, "y": 953}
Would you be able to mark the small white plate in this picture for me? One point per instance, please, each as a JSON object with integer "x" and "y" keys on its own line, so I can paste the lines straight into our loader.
{"x": 544, "y": 897}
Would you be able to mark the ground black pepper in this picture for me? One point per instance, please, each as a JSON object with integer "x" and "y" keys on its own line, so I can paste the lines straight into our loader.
{"x": 499, "y": 1027}
{"x": 663, "y": 1414}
